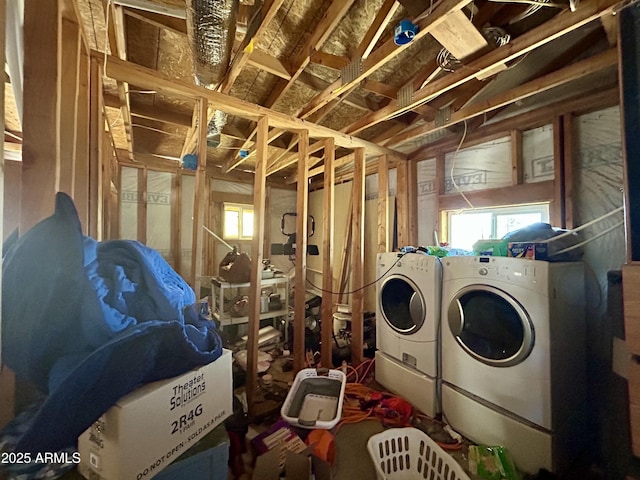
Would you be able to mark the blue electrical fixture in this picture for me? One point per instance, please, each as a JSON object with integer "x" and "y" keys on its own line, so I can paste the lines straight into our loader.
{"x": 404, "y": 32}
{"x": 190, "y": 161}
{"x": 244, "y": 153}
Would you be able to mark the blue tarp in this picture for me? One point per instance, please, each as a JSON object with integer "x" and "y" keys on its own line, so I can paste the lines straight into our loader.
{"x": 87, "y": 322}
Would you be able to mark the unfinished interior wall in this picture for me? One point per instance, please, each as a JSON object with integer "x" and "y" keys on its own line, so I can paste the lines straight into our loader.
{"x": 427, "y": 201}
{"x": 281, "y": 202}
{"x": 342, "y": 223}
{"x": 159, "y": 214}
{"x": 480, "y": 167}
{"x": 598, "y": 178}
{"x": 186, "y": 224}
{"x": 537, "y": 154}
{"x": 129, "y": 201}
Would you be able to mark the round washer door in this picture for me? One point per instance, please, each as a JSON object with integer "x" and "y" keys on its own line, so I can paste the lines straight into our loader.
{"x": 491, "y": 326}
{"x": 401, "y": 304}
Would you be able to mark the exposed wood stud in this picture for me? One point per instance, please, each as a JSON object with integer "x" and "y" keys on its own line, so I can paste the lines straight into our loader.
{"x": 69, "y": 102}
{"x": 357, "y": 259}
{"x": 402, "y": 204}
{"x": 81, "y": 180}
{"x": 412, "y": 202}
{"x": 328, "y": 219}
{"x": 96, "y": 131}
{"x": 41, "y": 147}
{"x": 569, "y": 181}
{"x": 142, "y": 205}
{"x": 517, "y": 167}
{"x": 383, "y": 205}
{"x": 302, "y": 212}
{"x": 199, "y": 198}
{"x": 557, "y": 206}
{"x": 256, "y": 263}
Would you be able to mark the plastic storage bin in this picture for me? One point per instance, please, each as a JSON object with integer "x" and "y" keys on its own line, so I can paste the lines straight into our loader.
{"x": 315, "y": 399}
{"x": 408, "y": 454}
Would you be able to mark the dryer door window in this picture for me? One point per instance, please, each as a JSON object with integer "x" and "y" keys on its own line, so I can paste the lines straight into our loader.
{"x": 491, "y": 326}
{"x": 401, "y": 304}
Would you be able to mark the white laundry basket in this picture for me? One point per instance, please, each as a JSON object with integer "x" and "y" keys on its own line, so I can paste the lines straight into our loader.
{"x": 315, "y": 399}
{"x": 410, "y": 454}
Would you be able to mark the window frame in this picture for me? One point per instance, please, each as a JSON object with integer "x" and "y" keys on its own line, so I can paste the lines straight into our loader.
{"x": 242, "y": 210}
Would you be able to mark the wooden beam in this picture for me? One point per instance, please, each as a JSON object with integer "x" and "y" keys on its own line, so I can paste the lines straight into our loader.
{"x": 568, "y": 171}
{"x": 558, "y": 26}
{"x": 412, "y": 202}
{"x": 402, "y": 204}
{"x": 118, "y": 43}
{"x": 579, "y": 69}
{"x": 144, "y": 77}
{"x": 517, "y": 166}
{"x": 557, "y": 206}
{"x": 141, "y": 230}
{"x": 267, "y": 14}
{"x": 165, "y": 22}
{"x": 383, "y": 17}
{"x": 199, "y": 203}
{"x": 532, "y": 119}
{"x": 302, "y": 213}
{"x": 96, "y": 131}
{"x": 357, "y": 259}
{"x": 69, "y": 101}
{"x": 383, "y": 54}
{"x": 525, "y": 193}
{"x": 41, "y": 128}
{"x": 383, "y": 205}
{"x": 323, "y": 28}
{"x": 259, "y": 189}
{"x": 81, "y": 181}
{"x": 328, "y": 60}
{"x": 268, "y": 63}
{"x": 458, "y": 35}
{"x": 328, "y": 219}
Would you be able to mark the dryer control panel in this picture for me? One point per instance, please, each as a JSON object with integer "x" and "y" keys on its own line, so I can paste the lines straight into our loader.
{"x": 505, "y": 269}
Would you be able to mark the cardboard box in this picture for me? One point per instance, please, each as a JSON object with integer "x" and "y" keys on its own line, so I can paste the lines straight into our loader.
{"x": 152, "y": 426}
{"x": 531, "y": 250}
{"x": 207, "y": 459}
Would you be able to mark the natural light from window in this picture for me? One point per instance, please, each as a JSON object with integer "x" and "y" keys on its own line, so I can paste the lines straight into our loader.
{"x": 466, "y": 228}
{"x": 238, "y": 222}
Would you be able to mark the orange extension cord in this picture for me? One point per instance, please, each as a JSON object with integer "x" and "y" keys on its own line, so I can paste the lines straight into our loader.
{"x": 357, "y": 394}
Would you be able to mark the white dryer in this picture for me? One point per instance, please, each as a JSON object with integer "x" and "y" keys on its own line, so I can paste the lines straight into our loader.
{"x": 407, "y": 327}
{"x": 513, "y": 356}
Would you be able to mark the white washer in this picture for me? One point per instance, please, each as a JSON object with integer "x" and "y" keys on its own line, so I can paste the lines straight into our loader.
{"x": 407, "y": 327}
{"x": 513, "y": 356}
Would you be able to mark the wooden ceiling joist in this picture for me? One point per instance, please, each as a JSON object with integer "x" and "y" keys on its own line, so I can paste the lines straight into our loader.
{"x": 384, "y": 54}
{"x": 558, "y": 26}
{"x": 579, "y": 69}
{"x": 138, "y": 75}
{"x": 321, "y": 32}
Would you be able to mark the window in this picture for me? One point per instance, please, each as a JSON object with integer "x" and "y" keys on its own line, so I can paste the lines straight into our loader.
{"x": 466, "y": 228}
{"x": 238, "y": 221}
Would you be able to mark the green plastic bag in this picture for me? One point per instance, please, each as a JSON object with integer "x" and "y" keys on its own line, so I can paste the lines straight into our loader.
{"x": 492, "y": 463}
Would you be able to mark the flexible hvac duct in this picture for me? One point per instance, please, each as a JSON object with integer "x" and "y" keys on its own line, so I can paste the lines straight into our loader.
{"x": 211, "y": 26}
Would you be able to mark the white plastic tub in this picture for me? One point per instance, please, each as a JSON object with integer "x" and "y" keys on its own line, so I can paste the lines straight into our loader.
{"x": 315, "y": 399}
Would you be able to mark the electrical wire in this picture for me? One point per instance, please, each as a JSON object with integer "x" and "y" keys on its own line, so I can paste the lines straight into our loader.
{"x": 360, "y": 288}
{"x": 453, "y": 162}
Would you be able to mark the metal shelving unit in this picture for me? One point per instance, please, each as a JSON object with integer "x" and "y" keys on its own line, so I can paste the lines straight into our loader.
{"x": 222, "y": 290}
